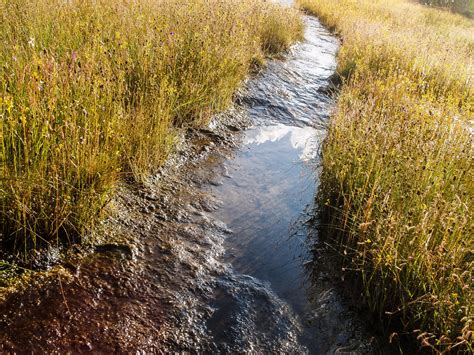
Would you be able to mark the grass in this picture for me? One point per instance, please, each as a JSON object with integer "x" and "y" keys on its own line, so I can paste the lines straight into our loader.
{"x": 464, "y": 7}
{"x": 93, "y": 91}
{"x": 397, "y": 183}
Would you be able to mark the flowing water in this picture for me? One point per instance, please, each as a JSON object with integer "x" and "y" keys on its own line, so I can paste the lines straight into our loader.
{"x": 224, "y": 257}
{"x": 267, "y": 201}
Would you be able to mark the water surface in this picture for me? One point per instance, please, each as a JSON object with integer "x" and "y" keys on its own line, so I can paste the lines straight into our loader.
{"x": 267, "y": 200}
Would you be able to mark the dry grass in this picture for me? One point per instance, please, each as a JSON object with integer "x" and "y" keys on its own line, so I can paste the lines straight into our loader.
{"x": 397, "y": 180}
{"x": 91, "y": 91}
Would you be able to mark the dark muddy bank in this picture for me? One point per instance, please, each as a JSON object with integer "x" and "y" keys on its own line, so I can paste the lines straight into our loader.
{"x": 218, "y": 246}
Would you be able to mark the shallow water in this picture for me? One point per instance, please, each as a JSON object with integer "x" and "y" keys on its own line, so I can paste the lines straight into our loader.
{"x": 267, "y": 200}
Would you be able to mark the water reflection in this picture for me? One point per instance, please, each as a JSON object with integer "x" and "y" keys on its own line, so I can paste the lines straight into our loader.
{"x": 271, "y": 186}
{"x": 266, "y": 201}
{"x": 306, "y": 140}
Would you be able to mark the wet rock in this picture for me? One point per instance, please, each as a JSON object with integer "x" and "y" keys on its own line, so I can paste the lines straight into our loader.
{"x": 120, "y": 249}
{"x": 215, "y": 182}
{"x": 152, "y": 197}
{"x": 149, "y": 209}
{"x": 161, "y": 216}
{"x": 44, "y": 259}
{"x": 233, "y": 128}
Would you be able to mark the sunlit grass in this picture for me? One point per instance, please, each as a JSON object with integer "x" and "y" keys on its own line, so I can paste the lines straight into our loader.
{"x": 92, "y": 91}
{"x": 397, "y": 182}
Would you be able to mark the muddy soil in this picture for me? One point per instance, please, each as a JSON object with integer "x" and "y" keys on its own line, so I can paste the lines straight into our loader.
{"x": 215, "y": 253}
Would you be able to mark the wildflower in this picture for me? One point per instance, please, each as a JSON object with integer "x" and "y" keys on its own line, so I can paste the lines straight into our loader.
{"x": 31, "y": 42}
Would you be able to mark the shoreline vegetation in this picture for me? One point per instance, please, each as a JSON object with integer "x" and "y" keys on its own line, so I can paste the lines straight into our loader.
{"x": 92, "y": 93}
{"x": 397, "y": 179}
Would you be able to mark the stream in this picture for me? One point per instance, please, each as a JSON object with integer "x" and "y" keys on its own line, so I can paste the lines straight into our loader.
{"x": 267, "y": 201}
{"x": 221, "y": 256}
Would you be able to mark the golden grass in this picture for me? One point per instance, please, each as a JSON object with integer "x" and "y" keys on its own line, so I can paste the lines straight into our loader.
{"x": 91, "y": 91}
{"x": 397, "y": 177}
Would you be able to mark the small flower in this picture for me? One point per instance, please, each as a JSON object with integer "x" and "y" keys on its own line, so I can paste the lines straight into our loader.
{"x": 31, "y": 42}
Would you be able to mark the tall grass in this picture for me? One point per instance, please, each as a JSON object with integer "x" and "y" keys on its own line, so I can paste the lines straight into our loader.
{"x": 397, "y": 182}
{"x": 92, "y": 91}
{"x": 464, "y": 7}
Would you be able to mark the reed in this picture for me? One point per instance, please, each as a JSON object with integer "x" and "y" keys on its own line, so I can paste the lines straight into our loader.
{"x": 397, "y": 182}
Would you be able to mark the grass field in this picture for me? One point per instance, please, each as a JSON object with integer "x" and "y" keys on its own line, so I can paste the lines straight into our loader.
{"x": 92, "y": 91}
{"x": 397, "y": 184}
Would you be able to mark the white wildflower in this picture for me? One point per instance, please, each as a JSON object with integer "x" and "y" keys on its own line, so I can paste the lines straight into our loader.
{"x": 31, "y": 42}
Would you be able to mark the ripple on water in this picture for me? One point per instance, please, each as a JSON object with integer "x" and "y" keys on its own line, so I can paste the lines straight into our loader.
{"x": 269, "y": 300}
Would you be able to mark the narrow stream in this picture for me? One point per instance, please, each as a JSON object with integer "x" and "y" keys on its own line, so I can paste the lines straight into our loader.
{"x": 267, "y": 199}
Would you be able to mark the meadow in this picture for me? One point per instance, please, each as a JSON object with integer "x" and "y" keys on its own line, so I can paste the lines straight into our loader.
{"x": 94, "y": 92}
{"x": 397, "y": 182}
